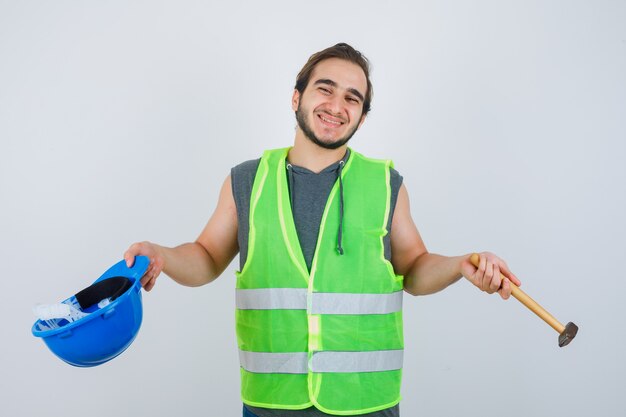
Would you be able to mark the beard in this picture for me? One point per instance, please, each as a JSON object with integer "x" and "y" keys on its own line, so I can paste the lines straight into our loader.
{"x": 308, "y": 132}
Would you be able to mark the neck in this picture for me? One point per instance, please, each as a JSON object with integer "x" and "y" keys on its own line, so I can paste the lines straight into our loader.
{"x": 311, "y": 156}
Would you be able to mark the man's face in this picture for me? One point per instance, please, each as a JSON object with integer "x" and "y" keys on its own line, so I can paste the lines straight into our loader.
{"x": 330, "y": 110}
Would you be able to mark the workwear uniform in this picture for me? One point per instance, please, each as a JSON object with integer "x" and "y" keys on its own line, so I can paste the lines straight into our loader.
{"x": 332, "y": 336}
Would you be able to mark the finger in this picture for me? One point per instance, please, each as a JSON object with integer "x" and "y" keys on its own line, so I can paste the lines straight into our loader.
{"x": 148, "y": 272}
{"x": 496, "y": 280}
{"x": 482, "y": 265}
{"x": 507, "y": 272}
{"x": 151, "y": 275}
{"x": 147, "y": 276}
{"x": 488, "y": 278}
{"x": 151, "y": 283}
{"x": 148, "y": 284}
{"x": 505, "y": 291}
{"x": 131, "y": 253}
{"x": 145, "y": 280}
{"x": 154, "y": 270}
{"x": 129, "y": 258}
{"x": 155, "y": 274}
{"x": 479, "y": 276}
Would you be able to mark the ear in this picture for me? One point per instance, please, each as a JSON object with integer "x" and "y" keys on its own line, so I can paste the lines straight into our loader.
{"x": 295, "y": 100}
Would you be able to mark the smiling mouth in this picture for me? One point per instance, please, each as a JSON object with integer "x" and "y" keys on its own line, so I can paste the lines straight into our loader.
{"x": 332, "y": 123}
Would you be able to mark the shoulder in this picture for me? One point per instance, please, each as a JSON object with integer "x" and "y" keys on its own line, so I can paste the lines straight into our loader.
{"x": 395, "y": 179}
{"x": 246, "y": 167}
{"x": 242, "y": 179}
{"x": 394, "y": 175}
{"x": 244, "y": 173}
{"x": 376, "y": 160}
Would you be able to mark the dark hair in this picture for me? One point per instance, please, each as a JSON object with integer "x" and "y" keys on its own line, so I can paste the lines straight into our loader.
{"x": 341, "y": 51}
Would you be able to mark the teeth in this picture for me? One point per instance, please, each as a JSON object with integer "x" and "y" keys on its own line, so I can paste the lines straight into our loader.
{"x": 329, "y": 121}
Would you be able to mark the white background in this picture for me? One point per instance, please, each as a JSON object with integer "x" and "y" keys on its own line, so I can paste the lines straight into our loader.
{"x": 119, "y": 121}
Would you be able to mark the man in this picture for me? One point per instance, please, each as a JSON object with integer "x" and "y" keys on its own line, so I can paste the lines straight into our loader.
{"x": 327, "y": 246}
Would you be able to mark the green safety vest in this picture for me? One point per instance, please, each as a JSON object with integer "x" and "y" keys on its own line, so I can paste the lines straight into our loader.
{"x": 331, "y": 338}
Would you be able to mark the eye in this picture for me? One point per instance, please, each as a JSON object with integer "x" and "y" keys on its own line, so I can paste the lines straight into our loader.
{"x": 352, "y": 100}
{"x": 324, "y": 90}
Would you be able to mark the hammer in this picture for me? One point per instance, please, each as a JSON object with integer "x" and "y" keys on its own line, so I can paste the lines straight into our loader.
{"x": 566, "y": 333}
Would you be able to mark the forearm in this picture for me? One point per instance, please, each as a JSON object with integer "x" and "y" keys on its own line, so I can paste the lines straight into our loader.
{"x": 431, "y": 273}
{"x": 189, "y": 264}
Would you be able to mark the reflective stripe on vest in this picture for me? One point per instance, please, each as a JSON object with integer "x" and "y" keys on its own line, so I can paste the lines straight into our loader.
{"x": 321, "y": 303}
{"x": 274, "y": 363}
{"x": 271, "y": 299}
{"x": 321, "y": 362}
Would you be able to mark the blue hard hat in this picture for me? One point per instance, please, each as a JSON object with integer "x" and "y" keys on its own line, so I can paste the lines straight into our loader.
{"x": 107, "y": 329}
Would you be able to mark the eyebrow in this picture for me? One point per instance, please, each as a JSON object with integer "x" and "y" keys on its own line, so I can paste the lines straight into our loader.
{"x": 334, "y": 84}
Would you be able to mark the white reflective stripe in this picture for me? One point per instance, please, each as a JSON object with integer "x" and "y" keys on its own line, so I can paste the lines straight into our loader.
{"x": 340, "y": 303}
{"x": 322, "y": 303}
{"x": 271, "y": 299}
{"x": 321, "y": 362}
{"x": 373, "y": 361}
{"x": 273, "y": 363}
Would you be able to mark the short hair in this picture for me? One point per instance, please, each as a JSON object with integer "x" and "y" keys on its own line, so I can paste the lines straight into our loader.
{"x": 341, "y": 51}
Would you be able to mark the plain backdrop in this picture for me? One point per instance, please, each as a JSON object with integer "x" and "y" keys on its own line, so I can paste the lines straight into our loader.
{"x": 119, "y": 121}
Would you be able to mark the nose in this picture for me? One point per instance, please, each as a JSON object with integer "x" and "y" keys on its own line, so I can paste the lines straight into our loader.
{"x": 335, "y": 104}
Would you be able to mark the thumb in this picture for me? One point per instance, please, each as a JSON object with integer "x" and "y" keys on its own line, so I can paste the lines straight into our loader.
{"x": 467, "y": 269}
{"x": 130, "y": 259}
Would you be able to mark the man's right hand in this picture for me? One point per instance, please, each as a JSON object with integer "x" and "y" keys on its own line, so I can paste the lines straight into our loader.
{"x": 157, "y": 262}
{"x": 194, "y": 263}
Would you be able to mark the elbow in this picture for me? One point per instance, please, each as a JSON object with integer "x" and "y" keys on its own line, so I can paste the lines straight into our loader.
{"x": 409, "y": 289}
{"x": 413, "y": 293}
{"x": 411, "y": 284}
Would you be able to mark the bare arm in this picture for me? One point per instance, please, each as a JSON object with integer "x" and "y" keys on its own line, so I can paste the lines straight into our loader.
{"x": 195, "y": 263}
{"x": 427, "y": 273}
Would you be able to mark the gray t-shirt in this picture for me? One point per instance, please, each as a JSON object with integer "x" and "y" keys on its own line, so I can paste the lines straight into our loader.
{"x": 308, "y": 192}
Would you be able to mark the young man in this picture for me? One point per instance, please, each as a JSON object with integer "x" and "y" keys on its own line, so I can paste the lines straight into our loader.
{"x": 327, "y": 246}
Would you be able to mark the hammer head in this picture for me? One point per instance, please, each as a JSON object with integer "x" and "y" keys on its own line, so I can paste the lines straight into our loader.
{"x": 568, "y": 334}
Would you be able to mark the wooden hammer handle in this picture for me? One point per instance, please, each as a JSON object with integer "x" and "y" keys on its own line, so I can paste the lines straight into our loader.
{"x": 526, "y": 300}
